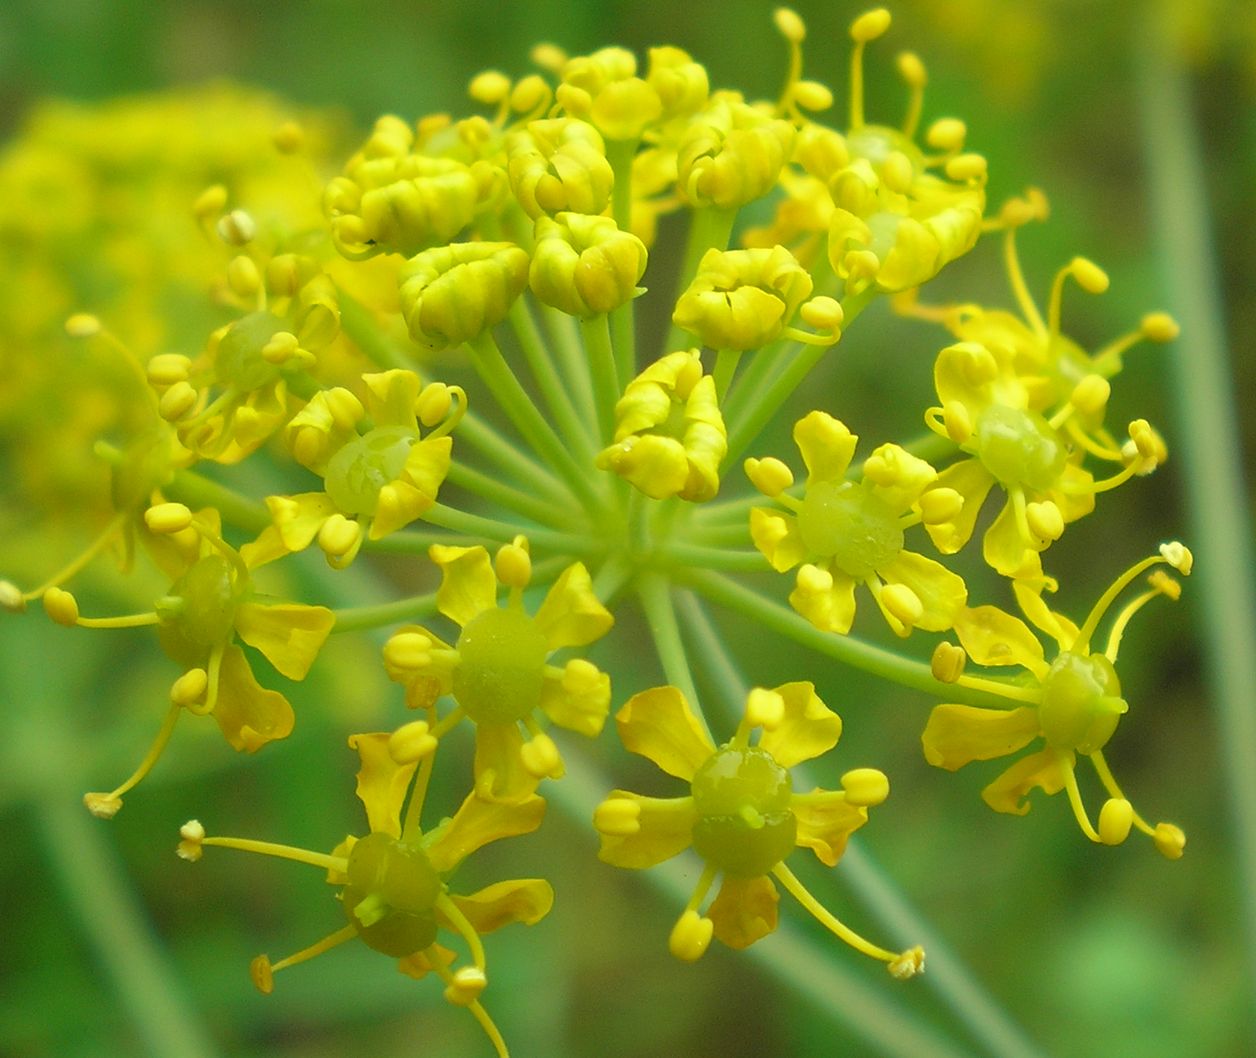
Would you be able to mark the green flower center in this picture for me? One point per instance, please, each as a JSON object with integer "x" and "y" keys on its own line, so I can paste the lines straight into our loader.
{"x": 875, "y": 142}
{"x": 1081, "y": 702}
{"x": 1019, "y": 447}
{"x": 390, "y": 898}
{"x": 501, "y": 666}
{"x": 744, "y": 823}
{"x": 851, "y": 524}
{"x": 204, "y": 615}
{"x": 357, "y": 472}
{"x": 238, "y": 360}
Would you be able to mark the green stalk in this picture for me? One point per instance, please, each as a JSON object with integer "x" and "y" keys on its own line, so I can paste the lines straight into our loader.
{"x": 359, "y": 618}
{"x": 733, "y": 560}
{"x": 564, "y": 336}
{"x": 196, "y": 491}
{"x": 660, "y": 614}
{"x": 597, "y": 342}
{"x": 709, "y": 229}
{"x": 494, "y": 529}
{"x": 1221, "y": 529}
{"x": 620, "y": 154}
{"x": 511, "y": 498}
{"x": 506, "y": 454}
{"x": 356, "y": 321}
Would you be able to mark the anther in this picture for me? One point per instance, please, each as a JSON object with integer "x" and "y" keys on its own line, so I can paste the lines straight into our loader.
{"x": 870, "y": 25}
{"x": 339, "y": 536}
{"x": 790, "y": 25}
{"x": 236, "y": 228}
{"x": 1089, "y": 276}
{"x": 1179, "y": 556}
{"x": 1090, "y": 395}
{"x": 166, "y": 518}
{"x": 434, "y": 403}
{"x": 190, "y": 688}
{"x": 617, "y": 817}
{"x": 1170, "y": 840}
{"x": 262, "y": 974}
{"x": 940, "y": 505}
{"x": 210, "y": 202}
{"x": 466, "y": 986}
{"x": 489, "y": 87}
{"x": 1159, "y": 327}
{"x": 191, "y": 836}
{"x": 908, "y": 965}
{"x": 82, "y": 325}
{"x": 61, "y": 606}
{"x": 946, "y": 134}
{"x": 691, "y": 936}
{"x": 770, "y": 475}
{"x": 765, "y": 709}
{"x": 11, "y": 597}
{"x": 865, "y": 787}
{"x": 965, "y": 167}
{"x": 513, "y": 565}
{"x": 288, "y": 138}
{"x": 177, "y": 402}
{"x": 1045, "y": 520}
{"x": 411, "y": 742}
{"x": 1115, "y": 819}
{"x": 947, "y": 663}
{"x": 243, "y": 277}
{"x": 902, "y": 603}
{"x": 823, "y": 313}
{"x": 408, "y": 651}
{"x": 541, "y": 758}
{"x": 165, "y": 369}
{"x": 911, "y": 69}
{"x": 812, "y": 95}
{"x": 102, "y": 805}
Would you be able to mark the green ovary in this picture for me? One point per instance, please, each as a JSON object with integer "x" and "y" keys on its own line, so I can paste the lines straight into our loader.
{"x": 238, "y": 360}
{"x": 1019, "y": 447}
{"x": 744, "y": 825}
{"x": 205, "y": 614}
{"x": 357, "y": 472}
{"x": 848, "y": 522}
{"x": 390, "y": 898}
{"x": 1081, "y": 702}
{"x": 501, "y": 666}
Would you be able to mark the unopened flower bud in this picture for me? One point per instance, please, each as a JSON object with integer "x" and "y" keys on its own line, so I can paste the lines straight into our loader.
{"x": 559, "y": 165}
{"x": 742, "y": 299}
{"x": 455, "y": 293}
{"x": 585, "y": 265}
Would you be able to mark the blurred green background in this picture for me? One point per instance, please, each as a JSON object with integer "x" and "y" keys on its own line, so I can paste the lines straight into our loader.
{"x": 113, "y": 947}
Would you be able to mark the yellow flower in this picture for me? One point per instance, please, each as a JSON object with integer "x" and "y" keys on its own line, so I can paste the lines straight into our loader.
{"x": 847, "y": 532}
{"x": 393, "y": 880}
{"x": 1073, "y": 703}
{"x": 669, "y": 434}
{"x": 741, "y": 814}
{"x": 585, "y": 265}
{"x": 210, "y": 605}
{"x": 498, "y": 671}
{"x": 374, "y": 482}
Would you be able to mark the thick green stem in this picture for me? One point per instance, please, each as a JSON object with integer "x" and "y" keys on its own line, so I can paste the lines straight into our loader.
{"x": 196, "y": 491}
{"x": 709, "y": 229}
{"x": 505, "y": 453}
{"x": 513, "y": 499}
{"x": 620, "y": 154}
{"x": 564, "y": 335}
{"x": 597, "y": 343}
{"x": 357, "y": 618}
{"x": 656, "y": 600}
{"x": 494, "y": 529}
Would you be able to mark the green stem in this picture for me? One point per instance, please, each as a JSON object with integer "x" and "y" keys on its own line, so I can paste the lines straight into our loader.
{"x": 737, "y": 561}
{"x": 358, "y": 323}
{"x": 505, "y": 453}
{"x": 854, "y": 652}
{"x": 656, "y": 600}
{"x": 736, "y": 535}
{"x": 1208, "y": 436}
{"x": 194, "y": 490}
{"x": 515, "y": 402}
{"x": 494, "y": 529}
{"x": 357, "y": 618}
{"x": 709, "y": 229}
{"x": 726, "y": 361}
{"x": 550, "y": 382}
{"x": 511, "y": 498}
{"x": 597, "y": 343}
{"x": 564, "y": 335}
{"x": 620, "y": 154}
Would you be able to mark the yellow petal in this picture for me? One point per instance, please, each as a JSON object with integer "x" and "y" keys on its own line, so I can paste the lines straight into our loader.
{"x": 290, "y": 635}
{"x": 382, "y": 782}
{"x": 477, "y": 822}
{"x": 499, "y": 771}
{"x": 1077, "y": 501}
{"x": 468, "y": 586}
{"x": 268, "y": 547}
{"x": 421, "y": 962}
{"x": 665, "y": 828}
{"x": 579, "y": 699}
{"x": 744, "y": 911}
{"x": 1046, "y": 770}
{"x": 958, "y": 734}
{"x": 299, "y": 518}
{"x": 777, "y": 537}
{"x": 825, "y": 824}
{"x": 1056, "y": 625}
{"x": 973, "y": 482}
{"x": 571, "y": 615}
{"x": 941, "y": 591}
{"x": 829, "y": 604}
{"x": 826, "y": 446}
{"x": 428, "y": 464}
{"x": 993, "y": 637}
{"x": 391, "y": 397}
{"x": 1003, "y": 547}
{"x": 249, "y": 715}
{"x": 526, "y": 900}
{"x": 808, "y": 729}
{"x": 398, "y": 505}
{"x": 659, "y": 725}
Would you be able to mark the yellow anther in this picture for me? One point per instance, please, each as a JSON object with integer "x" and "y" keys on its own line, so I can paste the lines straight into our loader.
{"x": 288, "y": 138}
{"x": 190, "y": 688}
{"x": 823, "y": 313}
{"x": 1045, "y": 520}
{"x": 812, "y": 95}
{"x": 530, "y": 94}
{"x": 897, "y": 172}
{"x": 548, "y": 57}
{"x": 164, "y": 518}
{"x": 191, "y": 835}
{"x": 947, "y": 134}
{"x": 1089, "y": 276}
{"x": 958, "y": 423}
{"x": 434, "y": 403}
{"x": 466, "y": 986}
{"x": 1090, "y": 395}
{"x": 790, "y": 25}
{"x": 691, "y": 936}
{"x": 541, "y": 758}
{"x": 339, "y": 536}
{"x": 102, "y": 805}
{"x": 83, "y": 325}
{"x": 947, "y": 663}
{"x": 489, "y": 87}
{"x": 940, "y": 505}
{"x": 236, "y": 228}
{"x": 345, "y": 408}
{"x": 765, "y": 709}
{"x": 262, "y": 975}
{"x": 243, "y": 276}
{"x": 11, "y": 597}
{"x": 61, "y": 606}
{"x": 964, "y": 167}
{"x": 812, "y": 579}
{"x": 1159, "y": 327}
{"x": 1165, "y": 585}
{"x": 1179, "y": 556}
{"x": 912, "y": 70}
{"x": 1032, "y": 206}
{"x": 908, "y": 965}
{"x": 902, "y": 603}
{"x": 870, "y": 25}
{"x": 165, "y": 369}
{"x": 514, "y": 565}
{"x": 210, "y": 202}
{"x": 618, "y": 817}
{"x": 770, "y": 476}
{"x": 1115, "y": 819}
{"x": 1170, "y": 840}
{"x": 408, "y": 651}
{"x": 281, "y": 348}
{"x": 865, "y": 787}
{"x": 411, "y": 742}
{"x": 1149, "y": 444}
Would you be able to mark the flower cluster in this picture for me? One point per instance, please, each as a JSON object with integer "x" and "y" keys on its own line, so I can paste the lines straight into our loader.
{"x": 446, "y": 366}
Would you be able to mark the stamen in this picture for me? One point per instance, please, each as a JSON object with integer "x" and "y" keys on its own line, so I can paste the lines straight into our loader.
{"x": 1089, "y": 276}
{"x": 262, "y": 970}
{"x": 464, "y": 928}
{"x": 1081, "y": 644}
{"x": 137, "y": 620}
{"x": 339, "y": 864}
{"x": 105, "y": 806}
{"x": 912, "y": 70}
{"x": 1110, "y": 784}
{"x": 1103, "y": 484}
{"x": 477, "y": 1010}
{"x": 827, "y": 919}
{"x": 1123, "y": 619}
{"x": 867, "y": 27}
{"x": 213, "y": 670}
{"x": 74, "y": 566}
{"x": 1075, "y": 431}
{"x": 1079, "y": 810}
{"x": 1019, "y": 290}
